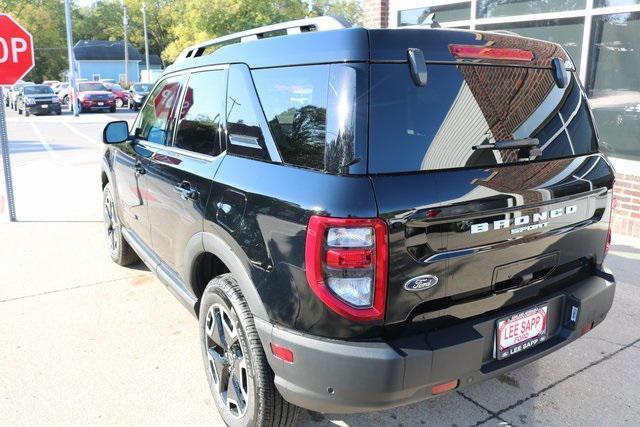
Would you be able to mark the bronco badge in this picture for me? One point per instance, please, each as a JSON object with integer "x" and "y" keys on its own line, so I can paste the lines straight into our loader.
{"x": 421, "y": 283}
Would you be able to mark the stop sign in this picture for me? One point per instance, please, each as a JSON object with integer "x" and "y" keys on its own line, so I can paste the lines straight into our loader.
{"x": 16, "y": 50}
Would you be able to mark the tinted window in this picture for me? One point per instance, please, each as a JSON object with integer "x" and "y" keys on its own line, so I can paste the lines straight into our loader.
{"x": 37, "y": 90}
{"x": 199, "y": 123}
{"x": 440, "y": 126}
{"x": 243, "y": 126}
{"x": 85, "y": 87}
{"x": 142, "y": 87}
{"x": 155, "y": 120}
{"x": 295, "y": 102}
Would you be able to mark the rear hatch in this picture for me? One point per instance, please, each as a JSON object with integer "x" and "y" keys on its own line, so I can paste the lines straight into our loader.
{"x": 475, "y": 224}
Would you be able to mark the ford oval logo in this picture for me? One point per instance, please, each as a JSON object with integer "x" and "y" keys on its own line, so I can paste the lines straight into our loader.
{"x": 421, "y": 283}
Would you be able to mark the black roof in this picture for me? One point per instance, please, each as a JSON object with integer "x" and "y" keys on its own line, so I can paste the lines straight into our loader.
{"x": 349, "y": 45}
{"x": 104, "y": 50}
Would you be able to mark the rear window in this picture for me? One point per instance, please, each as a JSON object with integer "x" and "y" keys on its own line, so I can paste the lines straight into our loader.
{"x": 441, "y": 125}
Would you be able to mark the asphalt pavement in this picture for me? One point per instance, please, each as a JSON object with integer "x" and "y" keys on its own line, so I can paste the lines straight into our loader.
{"x": 86, "y": 342}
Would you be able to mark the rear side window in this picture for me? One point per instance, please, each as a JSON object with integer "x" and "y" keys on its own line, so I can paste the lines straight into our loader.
{"x": 155, "y": 122}
{"x": 294, "y": 101}
{"x": 245, "y": 135}
{"x": 441, "y": 125}
{"x": 200, "y": 121}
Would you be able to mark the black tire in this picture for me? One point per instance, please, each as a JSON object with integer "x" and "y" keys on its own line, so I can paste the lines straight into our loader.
{"x": 119, "y": 250}
{"x": 26, "y": 113}
{"x": 112, "y": 109}
{"x": 264, "y": 406}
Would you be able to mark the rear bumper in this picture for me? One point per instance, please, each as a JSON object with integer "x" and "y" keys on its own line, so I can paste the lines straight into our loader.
{"x": 345, "y": 377}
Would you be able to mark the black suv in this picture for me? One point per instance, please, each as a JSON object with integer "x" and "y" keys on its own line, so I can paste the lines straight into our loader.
{"x": 362, "y": 219}
{"x": 37, "y": 99}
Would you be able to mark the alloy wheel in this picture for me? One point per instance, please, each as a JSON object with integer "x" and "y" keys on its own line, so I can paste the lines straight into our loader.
{"x": 226, "y": 360}
{"x": 111, "y": 223}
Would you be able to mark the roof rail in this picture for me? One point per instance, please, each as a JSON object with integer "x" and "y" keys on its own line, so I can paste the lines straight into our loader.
{"x": 320, "y": 23}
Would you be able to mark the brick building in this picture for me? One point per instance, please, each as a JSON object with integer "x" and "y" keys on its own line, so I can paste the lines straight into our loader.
{"x": 601, "y": 38}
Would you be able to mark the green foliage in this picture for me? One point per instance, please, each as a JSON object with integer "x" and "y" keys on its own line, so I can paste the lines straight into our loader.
{"x": 172, "y": 25}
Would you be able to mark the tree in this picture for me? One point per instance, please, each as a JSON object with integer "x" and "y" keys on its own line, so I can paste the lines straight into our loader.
{"x": 201, "y": 20}
{"x": 350, "y": 9}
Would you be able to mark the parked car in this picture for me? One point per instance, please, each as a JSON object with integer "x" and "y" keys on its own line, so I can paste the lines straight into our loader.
{"x": 372, "y": 219}
{"x": 120, "y": 94}
{"x": 138, "y": 94}
{"x": 5, "y": 94}
{"x": 38, "y": 99}
{"x": 13, "y": 94}
{"x": 111, "y": 81}
{"x": 61, "y": 89}
{"x": 93, "y": 96}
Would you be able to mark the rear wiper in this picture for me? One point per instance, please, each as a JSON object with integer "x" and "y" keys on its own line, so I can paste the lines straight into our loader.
{"x": 509, "y": 144}
{"x": 527, "y": 147}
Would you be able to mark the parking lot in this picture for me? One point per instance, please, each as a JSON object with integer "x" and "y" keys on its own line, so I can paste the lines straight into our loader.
{"x": 84, "y": 341}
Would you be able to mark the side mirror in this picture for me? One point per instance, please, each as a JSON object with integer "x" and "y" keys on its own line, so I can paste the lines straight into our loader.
{"x": 115, "y": 132}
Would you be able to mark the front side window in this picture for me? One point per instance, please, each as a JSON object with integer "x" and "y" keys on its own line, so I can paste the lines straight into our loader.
{"x": 154, "y": 122}
{"x": 37, "y": 90}
{"x": 200, "y": 121}
{"x": 90, "y": 86}
{"x": 295, "y": 103}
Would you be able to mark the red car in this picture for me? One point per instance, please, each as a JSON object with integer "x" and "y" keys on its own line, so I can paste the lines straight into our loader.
{"x": 121, "y": 95}
{"x": 93, "y": 96}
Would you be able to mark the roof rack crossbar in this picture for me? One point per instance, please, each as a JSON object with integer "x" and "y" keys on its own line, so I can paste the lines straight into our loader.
{"x": 320, "y": 23}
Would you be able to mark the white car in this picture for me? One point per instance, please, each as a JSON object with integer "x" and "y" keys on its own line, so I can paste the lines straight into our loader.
{"x": 13, "y": 94}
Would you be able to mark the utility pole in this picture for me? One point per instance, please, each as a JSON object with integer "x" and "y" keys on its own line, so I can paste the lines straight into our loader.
{"x": 146, "y": 40}
{"x": 125, "y": 21}
{"x": 72, "y": 73}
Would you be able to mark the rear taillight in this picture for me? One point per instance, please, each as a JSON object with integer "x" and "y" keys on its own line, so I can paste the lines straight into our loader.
{"x": 346, "y": 262}
{"x": 464, "y": 51}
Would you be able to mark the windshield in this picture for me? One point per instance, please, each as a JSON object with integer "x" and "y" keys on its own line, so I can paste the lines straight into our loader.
{"x": 37, "y": 90}
{"x": 85, "y": 87}
{"x": 464, "y": 111}
{"x": 142, "y": 88}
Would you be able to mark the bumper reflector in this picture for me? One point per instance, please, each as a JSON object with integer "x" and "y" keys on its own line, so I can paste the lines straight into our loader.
{"x": 441, "y": 388}
{"x": 282, "y": 353}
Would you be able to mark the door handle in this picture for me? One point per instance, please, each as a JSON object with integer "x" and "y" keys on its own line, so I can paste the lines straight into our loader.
{"x": 185, "y": 191}
{"x": 139, "y": 169}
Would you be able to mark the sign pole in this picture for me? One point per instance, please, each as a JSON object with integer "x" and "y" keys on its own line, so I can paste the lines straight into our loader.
{"x": 72, "y": 73}
{"x": 6, "y": 162}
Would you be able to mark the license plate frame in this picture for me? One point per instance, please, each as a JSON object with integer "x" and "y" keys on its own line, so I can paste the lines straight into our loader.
{"x": 533, "y": 317}
{"x": 44, "y": 105}
{"x": 100, "y": 104}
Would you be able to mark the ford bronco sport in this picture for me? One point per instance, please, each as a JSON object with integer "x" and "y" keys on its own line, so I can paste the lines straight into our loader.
{"x": 361, "y": 219}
